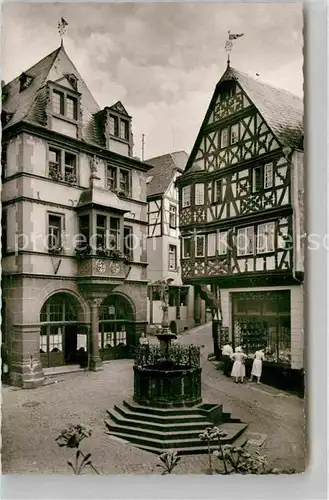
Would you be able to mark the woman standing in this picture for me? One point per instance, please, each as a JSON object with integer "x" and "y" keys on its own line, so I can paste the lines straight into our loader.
{"x": 257, "y": 365}
{"x": 239, "y": 369}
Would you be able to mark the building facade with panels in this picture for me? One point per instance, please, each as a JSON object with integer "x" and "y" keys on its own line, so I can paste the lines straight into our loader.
{"x": 74, "y": 224}
{"x": 186, "y": 308}
{"x": 241, "y": 216}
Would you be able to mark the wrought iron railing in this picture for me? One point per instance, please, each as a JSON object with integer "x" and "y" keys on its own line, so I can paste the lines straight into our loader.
{"x": 187, "y": 356}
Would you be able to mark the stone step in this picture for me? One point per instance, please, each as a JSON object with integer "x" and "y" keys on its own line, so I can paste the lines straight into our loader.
{"x": 160, "y": 419}
{"x": 183, "y": 445}
{"x": 195, "y": 410}
{"x": 121, "y": 419}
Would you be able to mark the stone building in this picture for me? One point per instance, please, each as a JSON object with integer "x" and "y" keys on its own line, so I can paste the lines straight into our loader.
{"x": 186, "y": 308}
{"x": 74, "y": 224}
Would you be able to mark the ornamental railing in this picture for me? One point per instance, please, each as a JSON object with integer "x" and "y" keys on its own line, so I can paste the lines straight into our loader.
{"x": 185, "y": 356}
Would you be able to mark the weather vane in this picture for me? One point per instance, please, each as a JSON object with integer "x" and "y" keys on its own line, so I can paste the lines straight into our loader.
{"x": 62, "y": 27}
{"x": 229, "y": 43}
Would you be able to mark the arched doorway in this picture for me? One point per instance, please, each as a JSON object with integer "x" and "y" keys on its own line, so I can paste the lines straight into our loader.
{"x": 63, "y": 338}
{"x": 116, "y": 327}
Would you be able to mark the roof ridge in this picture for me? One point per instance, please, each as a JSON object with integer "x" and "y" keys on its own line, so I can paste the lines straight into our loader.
{"x": 237, "y": 72}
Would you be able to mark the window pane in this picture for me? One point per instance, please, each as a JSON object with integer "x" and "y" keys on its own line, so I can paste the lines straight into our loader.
{"x": 199, "y": 246}
{"x": 124, "y": 187}
{"x": 172, "y": 257}
{"x": 70, "y": 168}
{"x": 256, "y": 179}
{"x": 71, "y": 108}
{"x": 211, "y": 244}
{"x": 224, "y": 137}
{"x": 172, "y": 216}
{"x": 111, "y": 177}
{"x": 234, "y": 133}
{"x": 114, "y": 232}
{"x": 222, "y": 243}
{"x": 124, "y": 129}
{"x": 245, "y": 241}
{"x": 265, "y": 237}
{"x": 199, "y": 194}
{"x": 268, "y": 176}
{"x": 58, "y": 102}
{"x": 101, "y": 230}
{"x": 55, "y": 164}
{"x": 186, "y": 196}
{"x": 186, "y": 247}
{"x": 84, "y": 229}
{"x": 54, "y": 231}
{"x": 114, "y": 125}
{"x": 128, "y": 241}
{"x": 217, "y": 191}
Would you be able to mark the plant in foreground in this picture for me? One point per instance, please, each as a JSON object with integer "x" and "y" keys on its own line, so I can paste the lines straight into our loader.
{"x": 170, "y": 460}
{"x": 210, "y": 435}
{"x": 71, "y": 437}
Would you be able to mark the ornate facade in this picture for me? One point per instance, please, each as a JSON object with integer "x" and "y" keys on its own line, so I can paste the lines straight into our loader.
{"x": 74, "y": 225}
{"x": 241, "y": 215}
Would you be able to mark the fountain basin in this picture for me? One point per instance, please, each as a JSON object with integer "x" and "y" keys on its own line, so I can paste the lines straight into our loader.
{"x": 167, "y": 387}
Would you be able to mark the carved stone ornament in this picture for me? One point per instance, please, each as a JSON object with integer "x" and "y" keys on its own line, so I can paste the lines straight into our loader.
{"x": 101, "y": 266}
{"x": 93, "y": 162}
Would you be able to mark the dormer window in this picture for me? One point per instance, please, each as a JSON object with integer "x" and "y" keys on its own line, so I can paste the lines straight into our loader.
{"x": 64, "y": 104}
{"x": 24, "y": 81}
{"x": 119, "y": 127}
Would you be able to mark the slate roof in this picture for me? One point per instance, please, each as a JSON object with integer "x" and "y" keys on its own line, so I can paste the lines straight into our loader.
{"x": 30, "y": 104}
{"x": 163, "y": 171}
{"x": 278, "y": 107}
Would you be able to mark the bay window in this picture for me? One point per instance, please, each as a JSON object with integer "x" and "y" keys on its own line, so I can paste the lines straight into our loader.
{"x": 187, "y": 241}
{"x": 199, "y": 245}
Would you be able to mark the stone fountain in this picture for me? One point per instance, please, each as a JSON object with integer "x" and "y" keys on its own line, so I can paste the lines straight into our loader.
{"x": 166, "y": 410}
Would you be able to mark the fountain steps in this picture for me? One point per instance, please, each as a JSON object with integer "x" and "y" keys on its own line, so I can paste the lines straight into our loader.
{"x": 184, "y": 442}
{"x": 158, "y": 429}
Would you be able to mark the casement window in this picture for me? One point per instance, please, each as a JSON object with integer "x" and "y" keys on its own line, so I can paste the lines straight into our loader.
{"x": 114, "y": 125}
{"x": 124, "y": 182}
{"x": 265, "y": 237}
{"x": 172, "y": 257}
{"x": 186, "y": 196}
{"x": 187, "y": 244}
{"x": 119, "y": 127}
{"x": 118, "y": 180}
{"x": 262, "y": 177}
{"x": 64, "y": 104}
{"x": 54, "y": 231}
{"x": 199, "y": 245}
{"x": 111, "y": 177}
{"x": 101, "y": 224}
{"x": 128, "y": 242}
{"x": 172, "y": 216}
{"x": 245, "y": 241}
{"x": 84, "y": 231}
{"x": 235, "y": 133}
{"x": 62, "y": 165}
{"x": 224, "y": 138}
{"x": 114, "y": 232}
{"x": 222, "y": 243}
{"x": 4, "y": 231}
{"x": 211, "y": 244}
{"x": 217, "y": 191}
{"x": 199, "y": 194}
{"x": 124, "y": 129}
{"x": 268, "y": 175}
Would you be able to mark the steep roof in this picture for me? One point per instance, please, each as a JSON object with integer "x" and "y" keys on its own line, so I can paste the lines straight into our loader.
{"x": 163, "y": 171}
{"x": 278, "y": 107}
{"x": 30, "y": 104}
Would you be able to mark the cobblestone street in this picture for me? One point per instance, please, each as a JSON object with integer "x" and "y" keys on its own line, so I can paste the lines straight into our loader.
{"x": 32, "y": 419}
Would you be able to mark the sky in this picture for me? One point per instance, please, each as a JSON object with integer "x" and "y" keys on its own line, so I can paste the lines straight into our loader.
{"x": 161, "y": 60}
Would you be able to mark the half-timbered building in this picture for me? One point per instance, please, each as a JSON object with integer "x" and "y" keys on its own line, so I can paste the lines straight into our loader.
{"x": 241, "y": 216}
{"x": 163, "y": 245}
{"x": 74, "y": 281}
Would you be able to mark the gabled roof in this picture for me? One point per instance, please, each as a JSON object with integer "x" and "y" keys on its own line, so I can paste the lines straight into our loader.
{"x": 278, "y": 107}
{"x": 30, "y": 104}
{"x": 118, "y": 107}
{"x": 163, "y": 171}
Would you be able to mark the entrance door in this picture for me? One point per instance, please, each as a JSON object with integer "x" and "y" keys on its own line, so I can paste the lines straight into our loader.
{"x": 70, "y": 344}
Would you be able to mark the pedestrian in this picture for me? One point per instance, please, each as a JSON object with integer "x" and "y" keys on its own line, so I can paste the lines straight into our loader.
{"x": 256, "y": 370}
{"x": 227, "y": 352}
{"x": 238, "y": 369}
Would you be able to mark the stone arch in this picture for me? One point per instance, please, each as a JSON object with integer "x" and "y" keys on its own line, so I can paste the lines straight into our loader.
{"x": 83, "y": 314}
{"x": 126, "y": 298}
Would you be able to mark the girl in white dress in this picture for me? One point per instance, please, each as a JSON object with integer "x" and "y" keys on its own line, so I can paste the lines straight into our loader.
{"x": 257, "y": 365}
{"x": 238, "y": 369}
